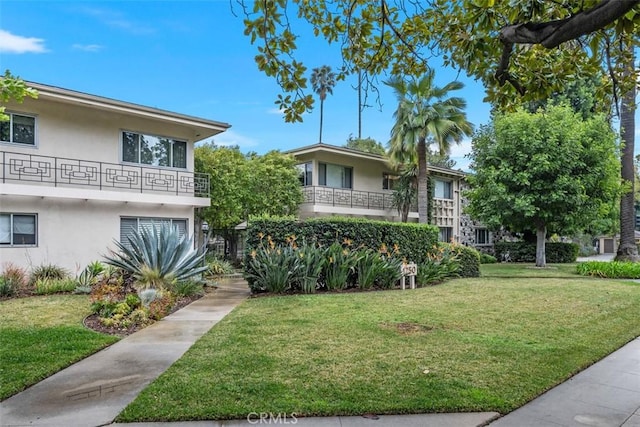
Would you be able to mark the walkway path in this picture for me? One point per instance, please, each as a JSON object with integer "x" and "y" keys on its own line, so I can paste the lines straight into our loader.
{"x": 95, "y": 390}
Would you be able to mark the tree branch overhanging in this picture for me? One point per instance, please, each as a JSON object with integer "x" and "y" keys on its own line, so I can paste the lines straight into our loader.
{"x": 553, "y": 33}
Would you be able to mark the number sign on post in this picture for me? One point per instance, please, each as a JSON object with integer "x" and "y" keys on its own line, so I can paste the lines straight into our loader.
{"x": 409, "y": 270}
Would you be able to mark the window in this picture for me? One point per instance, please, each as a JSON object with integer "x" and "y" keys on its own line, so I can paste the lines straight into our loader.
{"x": 443, "y": 189}
{"x": 388, "y": 181}
{"x": 482, "y": 236}
{"x": 306, "y": 174}
{"x": 153, "y": 150}
{"x": 129, "y": 225}
{"x": 445, "y": 234}
{"x": 335, "y": 176}
{"x": 18, "y": 229}
{"x": 18, "y": 129}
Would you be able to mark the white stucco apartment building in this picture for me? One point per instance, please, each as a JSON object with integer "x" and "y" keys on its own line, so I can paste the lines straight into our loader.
{"x": 341, "y": 181}
{"x": 79, "y": 171}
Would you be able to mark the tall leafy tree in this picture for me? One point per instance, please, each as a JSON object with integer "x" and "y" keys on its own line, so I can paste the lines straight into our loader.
{"x": 521, "y": 54}
{"x": 367, "y": 145}
{"x": 323, "y": 80}
{"x": 243, "y": 185}
{"x": 550, "y": 171}
{"x": 425, "y": 111}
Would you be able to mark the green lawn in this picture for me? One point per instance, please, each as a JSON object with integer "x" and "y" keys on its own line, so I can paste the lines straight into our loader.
{"x": 487, "y": 344}
{"x": 41, "y": 335}
{"x": 528, "y": 270}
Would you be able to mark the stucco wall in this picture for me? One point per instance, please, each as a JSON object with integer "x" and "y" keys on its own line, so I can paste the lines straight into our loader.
{"x": 71, "y": 131}
{"x": 72, "y": 233}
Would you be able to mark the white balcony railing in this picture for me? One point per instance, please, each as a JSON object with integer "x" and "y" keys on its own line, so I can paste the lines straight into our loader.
{"x": 65, "y": 172}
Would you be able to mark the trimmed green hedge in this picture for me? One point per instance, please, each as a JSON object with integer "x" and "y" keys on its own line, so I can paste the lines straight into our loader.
{"x": 556, "y": 252}
{"x": 412, "y": 241}
{"x": 610, "y": 270}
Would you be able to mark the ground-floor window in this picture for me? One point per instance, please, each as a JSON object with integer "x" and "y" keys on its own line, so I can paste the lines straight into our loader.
{"x": 129, "y": 225}
{"x": 482, "y": 236}
{"x": 446, "y": 233}
{"x": 18, "y": 229}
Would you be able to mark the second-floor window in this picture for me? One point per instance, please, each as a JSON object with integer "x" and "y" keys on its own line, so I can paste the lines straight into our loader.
{"x": 443, "y": 189}
{"x": 19, "y": 129}
{"x": 389, "y": 181}
{"x": 153, "y": 150}
{"x": 305, "y": 174}
{"x": 335, "y": 176}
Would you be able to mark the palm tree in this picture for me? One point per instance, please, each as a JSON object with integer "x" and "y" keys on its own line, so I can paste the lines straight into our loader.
{"x": 322, "y": 80}
{"x": 424, "y": 111}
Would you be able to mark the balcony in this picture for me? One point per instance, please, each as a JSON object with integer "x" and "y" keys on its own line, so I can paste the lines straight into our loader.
{"x": 75, "y": 173}
{"x": 348, "y": 198}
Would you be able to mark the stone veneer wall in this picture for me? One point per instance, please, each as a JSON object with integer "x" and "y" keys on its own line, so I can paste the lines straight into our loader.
{"x": 468, "y": 226}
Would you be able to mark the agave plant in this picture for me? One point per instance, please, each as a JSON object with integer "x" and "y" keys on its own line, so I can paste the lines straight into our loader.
{"x": 158, "y": 257}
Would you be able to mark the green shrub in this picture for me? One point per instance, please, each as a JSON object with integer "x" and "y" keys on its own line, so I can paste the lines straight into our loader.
{"x": 46, "y": 286}
{"x": 555, "y": 252}
{"x": 389, "y": 272}
{"x": 272, "y": 268}
{"x": 468, "y": 260}
{"x": 609, "y": 270}
{"x": 158, "y": 257}
{"x": 410, "y": 240}
{"x": 312, "y": 262}
{"x": 442, "y": 263}
{"x": 188, "y": 288}
{"x": 487, "y": 259}
{"x": 48, "y": 271}
{"x": 6, "y": 287}
{"x": 368, "y": 268}
{"x": 340, "y": 263}
{"x": 218, "y": 267}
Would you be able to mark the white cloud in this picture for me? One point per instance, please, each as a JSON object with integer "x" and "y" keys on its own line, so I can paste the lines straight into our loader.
{"x": 118, "y": 20}
{"x": 276, "y": 111}
{"x": 87, "y": 47}
{"x": 231, "y": 138}
{"x": 11, "y": 43}
{"x": 460, "y": 150}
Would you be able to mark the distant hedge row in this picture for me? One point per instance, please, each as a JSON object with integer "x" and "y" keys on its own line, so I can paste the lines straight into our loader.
{"x": 411, "y": 240}
{"x": 556, "y": 252}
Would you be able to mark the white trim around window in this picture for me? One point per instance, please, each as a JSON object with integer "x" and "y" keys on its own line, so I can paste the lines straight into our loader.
{"x": 20, "y": 130}
{"x": 129, "y": 224}
{"x": 18, "y": 229}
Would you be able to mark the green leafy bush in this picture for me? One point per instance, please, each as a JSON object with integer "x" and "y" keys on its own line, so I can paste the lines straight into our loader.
{"x": 610, "y": 270}
{"x": 468, "y": 260}
{"x": 555, "y": 252}
{"x": 272, "y": 268}
{"x": 389, "y": 272}
{"x": 410, "y": 240}
{"x": 368, "y": 267}
{"x": 487, "y": 259}
{"x": 158, "y": 257}
{"x": 312, "y": 262}
{"x": 188, "y": 288}
{"x": 442, "y": 263}
{"x": 340, "y": 264}
{"x": 218, "y": 267}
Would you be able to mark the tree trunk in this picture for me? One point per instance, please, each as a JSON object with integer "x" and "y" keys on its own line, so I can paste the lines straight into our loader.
{"x": 541, "y": 237}
{"x": 321, "y": 114}
{"x": 423, "y": 188}
{"x": 627, "y": 249}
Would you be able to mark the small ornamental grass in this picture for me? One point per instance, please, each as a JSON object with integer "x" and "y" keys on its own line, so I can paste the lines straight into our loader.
{"x": 610, "y": 270}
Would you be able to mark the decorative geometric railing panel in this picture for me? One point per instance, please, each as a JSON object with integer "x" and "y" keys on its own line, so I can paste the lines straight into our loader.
{"x": 64, "y": 172}
{"x": 349, "y": 198}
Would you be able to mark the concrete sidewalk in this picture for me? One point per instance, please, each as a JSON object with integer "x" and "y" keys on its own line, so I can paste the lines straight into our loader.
{"x": 95, "y": 390}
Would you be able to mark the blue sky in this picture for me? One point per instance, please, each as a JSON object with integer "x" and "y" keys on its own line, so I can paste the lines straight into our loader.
{"x": 191, "y": 57}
